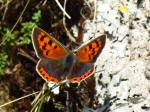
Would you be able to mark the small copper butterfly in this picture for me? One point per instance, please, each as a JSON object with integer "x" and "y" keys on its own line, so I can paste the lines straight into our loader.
{"x": 57, "y": 63}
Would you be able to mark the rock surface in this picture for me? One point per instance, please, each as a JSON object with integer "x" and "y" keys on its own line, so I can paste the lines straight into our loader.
{"x": 123, "y": 68}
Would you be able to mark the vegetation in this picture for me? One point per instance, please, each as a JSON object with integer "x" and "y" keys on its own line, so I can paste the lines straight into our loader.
{"x": 17, "y": 38}
{"x": 3, "y": 61}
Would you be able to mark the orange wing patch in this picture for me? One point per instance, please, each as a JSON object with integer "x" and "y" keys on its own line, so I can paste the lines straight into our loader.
{"x": 50, "y": 48}
{"x": 47, "y": 45}
{"x": 48, "y": 76}
{"x": 89, "y": 52}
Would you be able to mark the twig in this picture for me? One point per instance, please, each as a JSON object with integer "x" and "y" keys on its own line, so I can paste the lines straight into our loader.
{"x": 82, "y": 14}
{"x": 19, "y": 99}
{"x": 87, "y": 2}
{"x": 40, "y": 99}
{"x": 63, "y": 10}
{"x": 20, "y": 15}
{"x": 64, "y": 23}
{"x": 23, "y": 53}
{"x": 5, "y": 4}
{"x": 67, "y": 101}
{"x": 5, "y": 11}
{"x": 42, "y": 94}
{"x": 38, "y": 96}
{"x": 17, "y": 21}
{"x": 44, "y": 2}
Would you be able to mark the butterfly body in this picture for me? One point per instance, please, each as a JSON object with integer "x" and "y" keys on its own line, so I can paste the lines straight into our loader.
{"x": 57, "y": 63}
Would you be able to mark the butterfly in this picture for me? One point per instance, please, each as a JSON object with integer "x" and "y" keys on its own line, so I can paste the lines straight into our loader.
{"x": 57, "y": 63}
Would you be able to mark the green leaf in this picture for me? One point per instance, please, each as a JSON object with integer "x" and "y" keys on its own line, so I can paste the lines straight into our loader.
{"x": 37, "y": 16}
{"x": 26, "y": 32}
{"x": 9, "y": 37}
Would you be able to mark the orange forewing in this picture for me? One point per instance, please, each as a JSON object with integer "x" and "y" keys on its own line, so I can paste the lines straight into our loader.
{"x": 48, "y": 45}
{"x": 90, "y": 51}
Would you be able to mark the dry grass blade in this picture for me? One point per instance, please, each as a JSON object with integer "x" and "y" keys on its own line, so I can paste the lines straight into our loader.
{"x": 64, "y": 23}
{"x": 38, "y": 101}
{"x": 63, "y": 10}
{"x": 5, "y": 104}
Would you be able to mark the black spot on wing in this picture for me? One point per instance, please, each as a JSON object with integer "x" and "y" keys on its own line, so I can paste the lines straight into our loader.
{"x": 89, "y": 57}
{"x": 44, "y": 47}
{"x": 93, "y": 49}
{"x": 97, "y": 44}
{"x": 90, "y": 46}
{"x": 52, "y": 80}
{"x": 47, "y": 52}
{"x": 50, "y": 42}
{"x": 93, "y": 52}
{"x": 46, "y": 78}
{"x": 42, "y": 38}
{"x": 55, "y": 46}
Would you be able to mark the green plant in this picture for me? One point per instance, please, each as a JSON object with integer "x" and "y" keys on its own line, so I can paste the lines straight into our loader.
{"x": 9, "y": 37}
{"x": 3, "y": 61}
{"x": 9, "y": 41}
{"x": 26, "y": 32}
{"x": 27, "y": 28}
{"x": 37, "y": 17}
{"x": 15, "y": 38}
